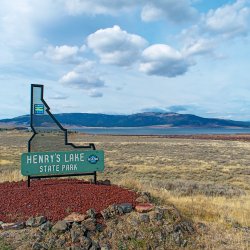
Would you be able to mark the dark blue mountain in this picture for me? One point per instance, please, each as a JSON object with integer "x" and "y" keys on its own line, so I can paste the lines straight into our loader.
{"x": 134, "y": 120}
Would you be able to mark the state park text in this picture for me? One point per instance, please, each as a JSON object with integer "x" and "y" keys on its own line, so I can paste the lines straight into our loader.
{"x": 66, "y": 162}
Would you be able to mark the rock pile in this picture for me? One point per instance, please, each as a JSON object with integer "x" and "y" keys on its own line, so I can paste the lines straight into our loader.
{"x": 120, "y": 226}
{"x": 62, "y": 196}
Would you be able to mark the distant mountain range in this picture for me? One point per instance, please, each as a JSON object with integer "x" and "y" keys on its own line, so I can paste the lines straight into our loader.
{"x": 134, "y": 120}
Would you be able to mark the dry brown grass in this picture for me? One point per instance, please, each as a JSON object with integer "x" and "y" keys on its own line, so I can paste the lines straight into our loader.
{"x": 209, "y": 181}
{"x": 227, "y": 219}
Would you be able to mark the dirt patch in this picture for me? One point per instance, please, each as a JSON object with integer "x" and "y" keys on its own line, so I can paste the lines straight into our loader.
{"x": 55, "y": 198}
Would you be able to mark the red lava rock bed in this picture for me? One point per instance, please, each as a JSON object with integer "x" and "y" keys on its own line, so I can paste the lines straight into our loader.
{"x": 56, "y": 198}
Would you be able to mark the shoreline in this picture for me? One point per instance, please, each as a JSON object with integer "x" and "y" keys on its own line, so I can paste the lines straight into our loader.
{"x": 224, "y": 137}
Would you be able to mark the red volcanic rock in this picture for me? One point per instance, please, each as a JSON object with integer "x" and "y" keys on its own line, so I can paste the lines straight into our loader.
{"x": 17, "y": 225}
{"x": 57, "y": 198}
{"x": 75, "y": 217}
{"x": 144, "y": 207}
{"x": 142, "y": 199}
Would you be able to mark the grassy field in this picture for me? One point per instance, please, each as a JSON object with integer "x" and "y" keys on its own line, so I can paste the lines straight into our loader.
{"x": 208, "y": 180}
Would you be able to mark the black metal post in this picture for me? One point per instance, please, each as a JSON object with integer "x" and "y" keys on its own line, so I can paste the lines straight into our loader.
{"x": 28, "y": 181}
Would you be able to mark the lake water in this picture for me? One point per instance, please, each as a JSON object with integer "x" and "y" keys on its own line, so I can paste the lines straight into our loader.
{"x": 161, "y": 131}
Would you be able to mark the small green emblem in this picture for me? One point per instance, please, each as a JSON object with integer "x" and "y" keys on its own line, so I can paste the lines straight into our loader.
{"x": 39, "y": 109}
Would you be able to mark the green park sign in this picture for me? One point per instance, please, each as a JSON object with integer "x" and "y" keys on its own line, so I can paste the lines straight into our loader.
{"x": 50, "y": 154}
{"x": 67, "y": 162}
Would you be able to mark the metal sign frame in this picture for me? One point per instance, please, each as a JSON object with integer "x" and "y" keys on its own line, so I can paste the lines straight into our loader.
{"x": 65, "y": 131}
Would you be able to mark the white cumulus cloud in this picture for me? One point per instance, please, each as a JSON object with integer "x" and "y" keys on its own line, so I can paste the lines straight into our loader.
{"x": 83, "y": 77}
{"x": 95, "y": 93}
{"x": 116, "y": 46}
{"x": 19, "y": 20}
{"x": 172, "y": 10}
{"x": 229, "y": 20}
{"x": 216, "y": 27}
{"x": 175, "y": 11}
{"x": 76, "y": 7}
{"x": 61, "y": 54}
{"x": 163, "y": 60}
{"x": 199, "y": 47}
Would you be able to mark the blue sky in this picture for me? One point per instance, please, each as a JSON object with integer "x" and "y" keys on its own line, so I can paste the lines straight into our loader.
{"x": 124, "y": 56}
